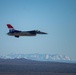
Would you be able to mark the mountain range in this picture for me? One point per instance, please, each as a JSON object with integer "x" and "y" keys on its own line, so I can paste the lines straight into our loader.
{"x": 38, "y": 57}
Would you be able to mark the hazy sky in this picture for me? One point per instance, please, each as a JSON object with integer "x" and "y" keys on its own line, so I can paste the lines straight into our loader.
{"x": 56, "y": 17}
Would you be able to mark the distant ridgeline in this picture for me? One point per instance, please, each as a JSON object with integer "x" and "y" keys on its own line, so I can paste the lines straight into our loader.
{"x": 39, "y": 57}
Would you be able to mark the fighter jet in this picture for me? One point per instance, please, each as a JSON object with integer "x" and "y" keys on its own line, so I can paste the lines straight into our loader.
{"x": 17, "y": 33}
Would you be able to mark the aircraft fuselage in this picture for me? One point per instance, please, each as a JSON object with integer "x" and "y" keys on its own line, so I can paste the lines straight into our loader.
{"x": 22, "y": 33}
{"x": 17, "y": 33}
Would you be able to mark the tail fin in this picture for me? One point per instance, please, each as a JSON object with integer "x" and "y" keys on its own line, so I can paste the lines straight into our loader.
{"x": 10, "y": 27}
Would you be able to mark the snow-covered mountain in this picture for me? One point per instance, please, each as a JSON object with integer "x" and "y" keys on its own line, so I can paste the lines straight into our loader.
{"x": 39, "y": 57}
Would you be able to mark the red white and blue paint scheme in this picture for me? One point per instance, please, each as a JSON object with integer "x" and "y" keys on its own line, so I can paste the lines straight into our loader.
{"x": 17, "y": 33}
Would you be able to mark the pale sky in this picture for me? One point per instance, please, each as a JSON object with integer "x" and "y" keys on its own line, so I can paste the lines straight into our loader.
{"x": 56, "y": 17}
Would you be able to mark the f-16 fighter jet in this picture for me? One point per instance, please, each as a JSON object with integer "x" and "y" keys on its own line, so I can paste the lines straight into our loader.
{"x": 17, "y": 33}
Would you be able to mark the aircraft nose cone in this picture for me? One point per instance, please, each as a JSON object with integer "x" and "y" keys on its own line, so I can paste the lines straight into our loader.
{"x": 41, "y": 33}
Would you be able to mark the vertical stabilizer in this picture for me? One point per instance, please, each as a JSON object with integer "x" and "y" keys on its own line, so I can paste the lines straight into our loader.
{"x": 10, "y": 27}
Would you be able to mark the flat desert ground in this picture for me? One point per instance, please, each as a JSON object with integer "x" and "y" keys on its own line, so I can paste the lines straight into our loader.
{"x": 30, "y": 67}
